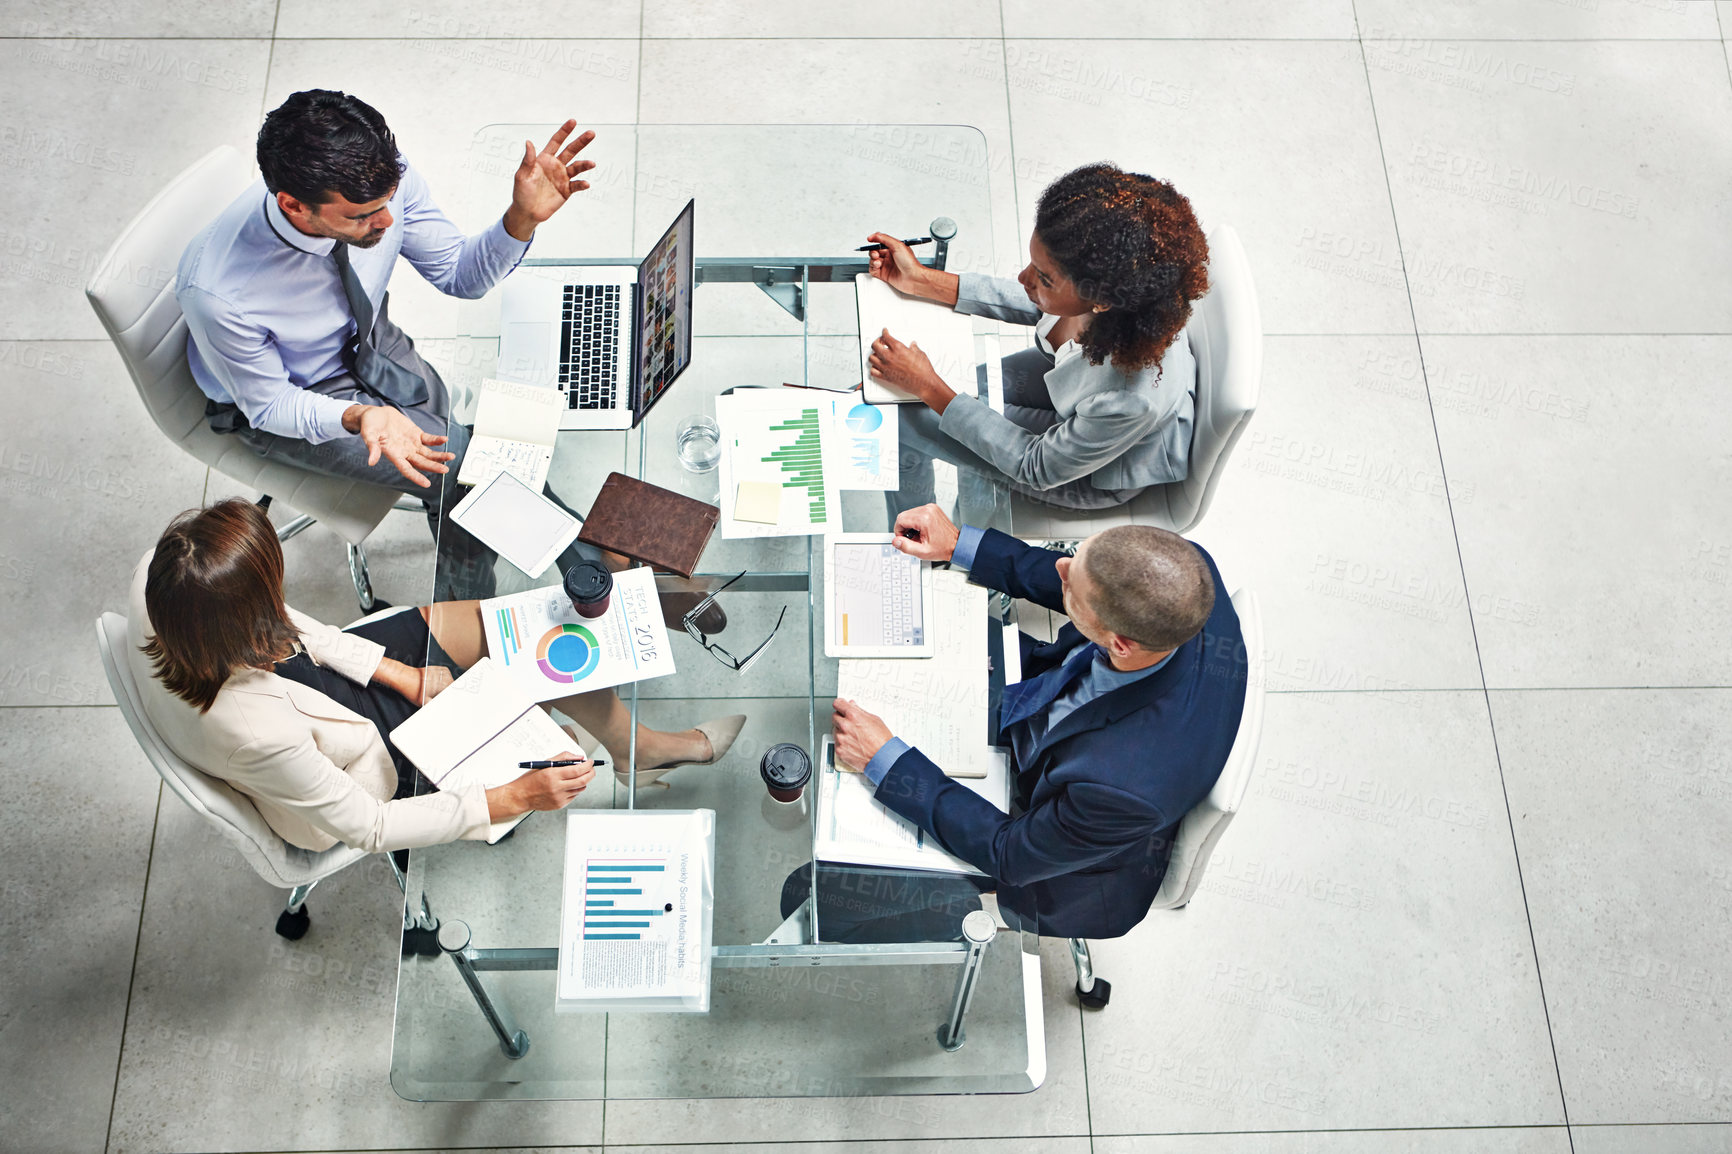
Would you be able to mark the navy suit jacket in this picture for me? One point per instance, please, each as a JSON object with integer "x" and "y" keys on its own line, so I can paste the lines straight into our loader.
{"x": 1097, "y": 801}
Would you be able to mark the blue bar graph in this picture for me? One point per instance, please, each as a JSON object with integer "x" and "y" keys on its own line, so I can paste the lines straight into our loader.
{"x": 606, "y": 879}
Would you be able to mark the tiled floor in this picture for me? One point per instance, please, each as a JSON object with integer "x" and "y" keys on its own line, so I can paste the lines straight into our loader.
{"x": 1480, "y": 896}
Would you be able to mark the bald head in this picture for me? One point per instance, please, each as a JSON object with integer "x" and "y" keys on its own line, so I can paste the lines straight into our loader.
{"x": 1147, "y": 585}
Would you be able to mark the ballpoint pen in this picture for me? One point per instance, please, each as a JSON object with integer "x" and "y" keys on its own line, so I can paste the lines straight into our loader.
{"x": 880, "y": 248}
{"x": 551, "y": 764}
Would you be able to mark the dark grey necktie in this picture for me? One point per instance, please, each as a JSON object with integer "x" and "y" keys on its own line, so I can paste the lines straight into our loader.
{"x": 376, "y": 371}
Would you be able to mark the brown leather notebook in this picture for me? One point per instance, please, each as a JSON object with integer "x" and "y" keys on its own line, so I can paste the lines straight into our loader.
{"x": 661, "y": 528}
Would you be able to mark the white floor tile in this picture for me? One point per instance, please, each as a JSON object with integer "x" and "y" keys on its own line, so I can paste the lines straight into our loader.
{"x": 548, "y": 34}
{"x": 1178, "y": 20}
{"x": 102, "y": 125}
{"x": 787, "y": 19}
{"x": 1522, "y": 196}
{"x": 237, "y": 1039}
{"x": 1357, "y": 956}
{"x": 1620, "y": 801}
{"x": 87, "y": 483}
{"x": 1276, "y": 139}
{"x": 1079, "y": 1145}
{"x": 1596, "y": 525}
{"x": 1650, "y": 1139}
{"x": 199, "y": 18}
{"x": 1333, "y": 509}
{"x": 1538, "y": 20}
{"x": 77, "y": 840}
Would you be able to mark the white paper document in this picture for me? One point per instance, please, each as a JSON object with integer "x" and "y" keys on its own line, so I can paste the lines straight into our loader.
{"x": 939, "y": 704}
{"x": 775, "y": 438}
{"x": 516, "y": 427}
{"x": 517, "y": 522}
{"x": 475, "y": 733}
{"x": 639, "y": 899}
{"x": 864, "y": 442}
{"x": 854, "y": 827}
{"x": 943, "y": 334}
{"x": 548, "y": 651}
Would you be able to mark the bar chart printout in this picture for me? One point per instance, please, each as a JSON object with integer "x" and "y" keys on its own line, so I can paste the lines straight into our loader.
{"x": 636, "y": 926}
{"x": 771, "y": 439}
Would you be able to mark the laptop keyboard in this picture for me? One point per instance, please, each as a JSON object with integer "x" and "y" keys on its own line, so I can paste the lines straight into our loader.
{"x": 589, "y": 346}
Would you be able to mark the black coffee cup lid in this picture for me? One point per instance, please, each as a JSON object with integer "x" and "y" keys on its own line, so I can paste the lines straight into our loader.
{"x": 588, "y": 581}
{"x": 785, "y": 766}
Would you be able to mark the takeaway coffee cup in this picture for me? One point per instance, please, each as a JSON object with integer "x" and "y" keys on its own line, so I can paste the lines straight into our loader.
{"x": 785, "y": 769}
{"x": 589, "y": 584}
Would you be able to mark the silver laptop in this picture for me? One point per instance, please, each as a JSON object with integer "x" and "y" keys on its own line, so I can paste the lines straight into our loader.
{"x": 611, "y": 338}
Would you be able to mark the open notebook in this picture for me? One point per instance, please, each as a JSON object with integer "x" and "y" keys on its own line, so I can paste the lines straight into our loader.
{"x": 515, "y": 430}
{"x": 477, "y": 731}
{"x": 943, "y": 334}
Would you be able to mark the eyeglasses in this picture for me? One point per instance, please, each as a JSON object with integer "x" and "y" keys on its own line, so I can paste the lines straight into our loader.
{"x": 738, "y": 665}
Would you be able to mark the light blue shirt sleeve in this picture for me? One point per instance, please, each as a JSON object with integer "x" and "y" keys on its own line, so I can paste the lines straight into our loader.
{"x": 968, "y": 541}
{"x": 455, "y": 264}
{"x": 884, "y": 759}
{"x": 246, "y": 362}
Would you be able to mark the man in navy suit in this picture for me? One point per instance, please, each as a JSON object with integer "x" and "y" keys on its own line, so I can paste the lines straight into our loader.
{"x": 1119, "y": 727}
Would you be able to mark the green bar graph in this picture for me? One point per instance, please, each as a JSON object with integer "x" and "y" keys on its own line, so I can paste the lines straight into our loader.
{"x": 803, "y": 459}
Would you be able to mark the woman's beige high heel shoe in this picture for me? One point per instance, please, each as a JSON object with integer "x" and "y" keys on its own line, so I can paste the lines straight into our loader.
{"x": 720, "y": 733}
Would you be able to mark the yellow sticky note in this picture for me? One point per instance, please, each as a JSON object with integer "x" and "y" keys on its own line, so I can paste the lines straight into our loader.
{"x": 759, "y": 502}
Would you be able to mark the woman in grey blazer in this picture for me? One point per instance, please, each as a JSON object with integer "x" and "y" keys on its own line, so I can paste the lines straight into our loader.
{"x": 1101, "y": 407}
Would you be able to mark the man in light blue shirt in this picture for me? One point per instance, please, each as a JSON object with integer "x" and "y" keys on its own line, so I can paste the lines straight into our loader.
{"x": 285, "y": 301}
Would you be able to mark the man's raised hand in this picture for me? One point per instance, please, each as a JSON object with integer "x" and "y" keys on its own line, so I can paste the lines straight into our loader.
{"x": 545, "y": 180}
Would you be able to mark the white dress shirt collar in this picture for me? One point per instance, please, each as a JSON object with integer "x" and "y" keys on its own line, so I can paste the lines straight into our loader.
{"x": 292, "y": 236}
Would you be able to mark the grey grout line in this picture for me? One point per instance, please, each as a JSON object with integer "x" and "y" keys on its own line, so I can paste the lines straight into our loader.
{"x": 1461, "y": 563}
{"x": 132, "y": 971}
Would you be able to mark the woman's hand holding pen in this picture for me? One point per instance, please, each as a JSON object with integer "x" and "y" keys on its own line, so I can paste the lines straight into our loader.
{"x": 896, "y": 265}
{"x": 552, "y": 787}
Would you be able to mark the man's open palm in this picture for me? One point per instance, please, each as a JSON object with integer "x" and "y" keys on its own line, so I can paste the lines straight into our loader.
{"x": 545, "y": 180}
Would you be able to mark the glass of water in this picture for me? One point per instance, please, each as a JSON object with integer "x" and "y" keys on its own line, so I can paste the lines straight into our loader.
{"x": 699, "y": 440}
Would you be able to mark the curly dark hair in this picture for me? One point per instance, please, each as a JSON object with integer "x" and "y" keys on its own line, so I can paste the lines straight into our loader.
{"x": 318, "y": 142}
{"x": 1131, "y": 242}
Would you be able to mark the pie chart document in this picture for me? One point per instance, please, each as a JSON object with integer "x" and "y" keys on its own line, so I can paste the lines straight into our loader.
{"x": 542, "y": 646}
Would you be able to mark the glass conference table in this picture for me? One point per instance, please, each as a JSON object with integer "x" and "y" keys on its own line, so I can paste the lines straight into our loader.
{"x": 779, "y": 212}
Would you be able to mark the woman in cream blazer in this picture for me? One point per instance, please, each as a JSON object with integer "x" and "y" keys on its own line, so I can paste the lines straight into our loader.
{"x": 245, "y": 688}
{"x": 1102, "y": 406}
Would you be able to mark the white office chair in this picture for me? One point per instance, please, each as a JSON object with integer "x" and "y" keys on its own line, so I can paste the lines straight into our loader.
{"x": 279, "y": 863}
{"x": 1201, "y": 829}
{"x": 1226, "y": 335}
{"x": 132, "y": 292}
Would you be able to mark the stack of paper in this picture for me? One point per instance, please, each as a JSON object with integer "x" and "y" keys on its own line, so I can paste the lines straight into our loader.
{"x": 475, "y": 733}
{"x": 940, "y": 703}
{"x": 855, "y": 828}
{"x": 635, "y": 928}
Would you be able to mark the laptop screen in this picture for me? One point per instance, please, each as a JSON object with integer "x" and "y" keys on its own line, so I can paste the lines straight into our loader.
{"x": 665, "y": 282}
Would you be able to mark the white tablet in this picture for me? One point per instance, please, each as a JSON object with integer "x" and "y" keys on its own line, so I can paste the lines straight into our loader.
{"x": 875, "y": 598}
{"x": 516, "y": 522}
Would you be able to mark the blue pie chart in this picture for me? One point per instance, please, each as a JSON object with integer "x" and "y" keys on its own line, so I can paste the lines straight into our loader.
{"x": 863, "y": 419}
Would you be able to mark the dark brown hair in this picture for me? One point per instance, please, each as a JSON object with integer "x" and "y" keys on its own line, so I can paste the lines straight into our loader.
{"x": 214, "y": 593}
{"x": 1149, "y": 585}
{"x": 1131, "y": 242}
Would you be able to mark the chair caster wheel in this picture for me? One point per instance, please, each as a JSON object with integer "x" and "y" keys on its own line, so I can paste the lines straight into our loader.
{"x": 294, "y": 926}
{"x": 1097, "y": 997}
{"x": 422, "y": 942}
